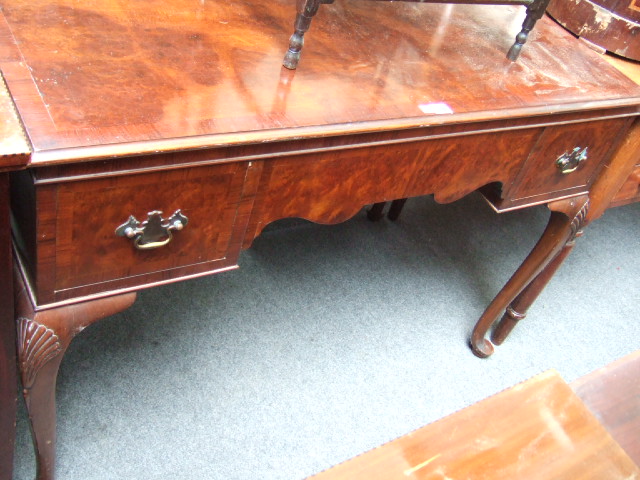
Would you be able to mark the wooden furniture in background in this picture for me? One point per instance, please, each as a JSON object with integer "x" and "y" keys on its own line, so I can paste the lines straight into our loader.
{"x": 14, "y": 153}
{"x": 612, "y": 25}
{"x": 194, "y": 113}
{"x": 536, "y": 430}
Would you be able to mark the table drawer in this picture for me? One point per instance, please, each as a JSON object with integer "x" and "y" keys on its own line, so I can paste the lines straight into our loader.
{"x": 79, "y": 253}
{"x": 565, "y": 161}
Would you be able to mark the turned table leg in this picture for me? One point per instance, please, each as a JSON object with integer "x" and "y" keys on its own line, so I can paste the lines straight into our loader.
{"x": 567, "y": 219}
{"x": 396, "y": 208}
{"x": 375, "y": 213}
{"x": 535, "y": 11}
{"x": 306, "y": 9}
{"x": 43, "y": 338}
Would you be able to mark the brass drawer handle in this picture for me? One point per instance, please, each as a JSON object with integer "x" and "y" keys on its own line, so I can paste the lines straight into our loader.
{"x": 154, "y": 232}
{"x": 569, "y": 162}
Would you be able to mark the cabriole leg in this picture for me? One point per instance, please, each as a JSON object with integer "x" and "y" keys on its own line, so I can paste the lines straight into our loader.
{"x": 518, "y": 309}
{"x": 43, "y": 338}
{"x": 567, "y": 219}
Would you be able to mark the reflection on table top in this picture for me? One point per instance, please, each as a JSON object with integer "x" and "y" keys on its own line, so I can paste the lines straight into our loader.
{"x": 111, "y": 71}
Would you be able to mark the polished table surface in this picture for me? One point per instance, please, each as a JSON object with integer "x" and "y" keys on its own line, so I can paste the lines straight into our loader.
{"x": 191, "y": 74}
{"x": 134, "y": 107}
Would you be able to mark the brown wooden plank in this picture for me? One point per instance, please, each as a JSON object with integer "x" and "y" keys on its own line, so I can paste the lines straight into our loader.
{"x": 612, "y": 393}
{"x": 536, "y": 430}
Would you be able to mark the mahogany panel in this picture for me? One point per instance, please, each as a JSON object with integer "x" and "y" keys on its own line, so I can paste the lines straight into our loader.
{"x": 210, "y": 73}
{"x": 79, "y": 253}
{"x": 536, "y": 430}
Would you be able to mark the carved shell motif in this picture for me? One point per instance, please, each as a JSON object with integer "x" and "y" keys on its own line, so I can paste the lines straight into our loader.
{"x": 37, "y": 345}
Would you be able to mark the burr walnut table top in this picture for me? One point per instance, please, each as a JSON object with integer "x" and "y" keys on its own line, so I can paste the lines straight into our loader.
{"x": 113, "y": 77}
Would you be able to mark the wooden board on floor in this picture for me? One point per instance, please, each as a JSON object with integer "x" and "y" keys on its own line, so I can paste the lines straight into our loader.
{"x": 539, "y": 429}
{"x": 613, "y": 395}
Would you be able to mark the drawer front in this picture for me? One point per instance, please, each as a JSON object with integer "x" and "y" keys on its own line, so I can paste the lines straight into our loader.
{"x": 89, "y": 257}
{"x": 542, "y": 179}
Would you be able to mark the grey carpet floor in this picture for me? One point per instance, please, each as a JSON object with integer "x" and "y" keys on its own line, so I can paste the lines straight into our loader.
{"x": 330, "y": 340}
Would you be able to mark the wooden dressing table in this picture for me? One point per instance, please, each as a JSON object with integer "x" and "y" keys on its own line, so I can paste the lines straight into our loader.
{"x": 137, "y": 108}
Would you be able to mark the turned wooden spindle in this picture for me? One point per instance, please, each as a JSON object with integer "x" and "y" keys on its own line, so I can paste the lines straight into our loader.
{"x": 307, "y": 9}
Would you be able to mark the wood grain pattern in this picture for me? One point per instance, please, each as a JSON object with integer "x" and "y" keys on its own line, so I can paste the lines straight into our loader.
{"x": 210, "y": 73}
{"x": 612, "y": 393}
{"x": 536, "y": 430}
{"x": 330, "y": 188}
